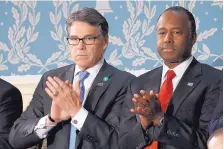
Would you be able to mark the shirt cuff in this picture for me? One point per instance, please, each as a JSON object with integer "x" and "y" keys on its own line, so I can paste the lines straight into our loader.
{"x": 79, "y": 119}
{"x": 42, "y": 129}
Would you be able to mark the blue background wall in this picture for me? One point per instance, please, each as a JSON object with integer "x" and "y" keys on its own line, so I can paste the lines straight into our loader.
{"x": 33, "y": 36}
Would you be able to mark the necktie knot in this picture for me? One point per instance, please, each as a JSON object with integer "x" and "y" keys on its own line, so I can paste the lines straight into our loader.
{"x": 83, "y": 75}
{"x": 170, "y": 74}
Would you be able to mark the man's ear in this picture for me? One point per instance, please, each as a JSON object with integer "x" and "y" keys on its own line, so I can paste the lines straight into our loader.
{"x": 106, "y": 40}
{"x": 194, "y": 38}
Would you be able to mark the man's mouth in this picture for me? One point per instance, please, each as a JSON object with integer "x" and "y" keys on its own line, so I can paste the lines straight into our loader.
{"x": 167, "y": 49}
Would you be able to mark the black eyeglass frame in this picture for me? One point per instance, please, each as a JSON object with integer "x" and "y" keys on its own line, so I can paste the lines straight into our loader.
{"x": 83, "y": 40}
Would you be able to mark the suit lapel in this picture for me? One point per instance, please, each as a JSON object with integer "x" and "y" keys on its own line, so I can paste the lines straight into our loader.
{"x": 99, "y": 86}
{"x": 186, "y": 85}
{"x": 154, "y": 81}
{"x": 68, "y": 75}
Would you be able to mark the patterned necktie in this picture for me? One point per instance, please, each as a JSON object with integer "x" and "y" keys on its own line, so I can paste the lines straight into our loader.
{"x": 82, "y": 76}
{"x": 165, "y": 94}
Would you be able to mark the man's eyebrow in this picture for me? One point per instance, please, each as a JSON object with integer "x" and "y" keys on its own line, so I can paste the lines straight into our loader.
{"x": 73, "y": 36}
{"x": 162, "y": 28}
{"x": 178, "y": 28}
{"x": 89, "y": 35}
{"x": 174, "y": 28}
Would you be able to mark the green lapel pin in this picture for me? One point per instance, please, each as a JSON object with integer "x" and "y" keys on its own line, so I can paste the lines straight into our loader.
{"x": 106, "y": 78}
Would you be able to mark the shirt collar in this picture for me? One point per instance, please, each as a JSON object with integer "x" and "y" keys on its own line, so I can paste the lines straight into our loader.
{"x": 93, "y": 70}
{"x": 179, "y": 69}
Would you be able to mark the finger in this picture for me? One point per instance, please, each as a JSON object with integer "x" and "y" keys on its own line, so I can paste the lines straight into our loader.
{"x": 67, "y": 82}
{"x": 137, "y": 111}
{"x": 152, "y": 95}
{"x": 134, "y": 100}
{"x": 144, "y": 94}
{"x": 134, "y": 110}
{"x": 157, "y": 96}
{"x": 137, "y": 103}
{"x": 51, "y": 88}
{"x": 140, "y": 109}
{"x": 48, "y": 91}
{"x": 139, "y": 100}
{"x": 53, "y": 83}
{"x": 137, "y": 97}
{"x": 61, "y": 83}
{"x": 147, "y": 112}
{"x": 151, "y": 92}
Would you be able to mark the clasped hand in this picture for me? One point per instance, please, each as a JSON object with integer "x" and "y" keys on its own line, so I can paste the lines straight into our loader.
{"x": 65, "y": 98}
{"x": 147, "y": 106}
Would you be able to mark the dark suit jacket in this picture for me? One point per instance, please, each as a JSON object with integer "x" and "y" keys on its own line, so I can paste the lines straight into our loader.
{"x": 104, "y": 103}
{"x": 10, "y": 109}
{"x": 188, "y": 113}
{"x": 217, "y": 118}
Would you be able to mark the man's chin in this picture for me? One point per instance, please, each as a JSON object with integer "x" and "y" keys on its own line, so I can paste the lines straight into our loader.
{"x": 171, "y": 61}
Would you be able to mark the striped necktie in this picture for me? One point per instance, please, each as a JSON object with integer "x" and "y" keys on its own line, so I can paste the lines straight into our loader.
{"x": 82, "y": 76}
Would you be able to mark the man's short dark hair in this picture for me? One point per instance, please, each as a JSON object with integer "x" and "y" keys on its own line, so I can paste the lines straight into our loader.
{"x": 187, "y": 12}
{"x": 90, "y": 16}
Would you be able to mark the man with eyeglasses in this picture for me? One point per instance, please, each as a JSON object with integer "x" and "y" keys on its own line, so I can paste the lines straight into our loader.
{"x": 77, "y": 106}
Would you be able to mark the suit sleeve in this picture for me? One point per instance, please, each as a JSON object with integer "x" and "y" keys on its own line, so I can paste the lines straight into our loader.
{"x": 10, "y": 109}
{"x": 180, "y": 134}
{"x": 217, "y": 117}
{"x": 173, "y": 131}
{"x": 131, "y": 134}
{"x": 22, "y": 134}
{"x": 104, "y": 133}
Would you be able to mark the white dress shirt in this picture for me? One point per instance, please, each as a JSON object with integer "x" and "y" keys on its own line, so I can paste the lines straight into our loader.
{"x": 179, "y": 71}
{"x": 78, "y": 120}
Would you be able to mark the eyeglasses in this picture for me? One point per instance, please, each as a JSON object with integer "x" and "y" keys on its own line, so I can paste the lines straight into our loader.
{"x": 86, "y": 40}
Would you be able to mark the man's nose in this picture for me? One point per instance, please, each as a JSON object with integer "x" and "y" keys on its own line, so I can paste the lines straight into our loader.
{"x": 169, "y": 38}
{"x": 81, "y": 45}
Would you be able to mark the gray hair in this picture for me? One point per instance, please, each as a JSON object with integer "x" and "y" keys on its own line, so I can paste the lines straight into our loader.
{"x": 90, "y": 16}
